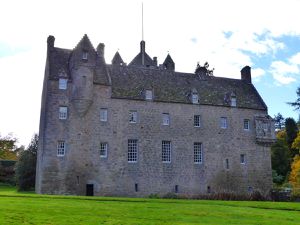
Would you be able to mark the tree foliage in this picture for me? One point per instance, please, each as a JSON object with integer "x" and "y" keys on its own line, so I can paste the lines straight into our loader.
{"x": 296, "y": 104}
{"x": 291, "y": 133}
{"x": 26, "y": 166}
{"x": 295, "y": 175}
{"x": 8, "y": 148}
{"x": 279, "y": 121}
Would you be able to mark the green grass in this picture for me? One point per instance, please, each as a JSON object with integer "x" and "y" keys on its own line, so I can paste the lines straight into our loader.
{"x": 29, "y": 208}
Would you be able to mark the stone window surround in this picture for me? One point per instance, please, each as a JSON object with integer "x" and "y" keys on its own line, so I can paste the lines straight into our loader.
{"x": 166, "y": 151}
{"x": 197, "y": 121}
{"x": 61, "y": 148}
{"x": 62, "y": 83}
{"x": 103, "y": 114}
{"x": 223, "y": 122}
{"x": 103, "y": 149}
{"x": 63, "y": 112}
{"x": 132, "y": 154}
{"x": 166, "y": 119}
{"x": 133, "y": 116}
{"x": 149, "y": 94}
{"x": 246, "y": 124}
{"x": 198, "y": 153}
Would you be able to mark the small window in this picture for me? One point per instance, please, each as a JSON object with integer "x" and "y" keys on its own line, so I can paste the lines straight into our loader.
{"x": 166, "y": 151}
{"x": 195, "y": 98}
{"x": 133, "y": 117}
{"x": 85, "y": 55}
{"x": 63, "y": 113}
{"x": 197, "y": 120}
{"x": 149, "y": 95}
{"x": 132, "y": 150}
{"x": 246, "y": 124}
{"x": 243, "y": 159}
{"x": 136, "y": 187}
{"x": 176, "y": 188}
{"x": 233, "y": 101}
{"x": 61, "y": 148}
{"x": 166, "y": 119}
{"x": 62, "y": 83}
{"x": 103, "y": 150}
{"x": 103, "y": 115}
{"x": 227, "y": 164}
{"x": 197, "y": 152}
{"x": 223, "y": 122}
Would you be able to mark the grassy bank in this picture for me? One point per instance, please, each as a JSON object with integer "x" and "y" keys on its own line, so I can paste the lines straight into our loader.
{"x": 29, "y": 208}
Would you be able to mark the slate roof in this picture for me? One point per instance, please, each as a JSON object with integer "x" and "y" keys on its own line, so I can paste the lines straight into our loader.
{"x": 130, "y": 82}
{"x": 168, "y": 86}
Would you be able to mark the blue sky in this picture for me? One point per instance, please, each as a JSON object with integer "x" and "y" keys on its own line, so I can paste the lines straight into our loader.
{"x": 228, "y": 34}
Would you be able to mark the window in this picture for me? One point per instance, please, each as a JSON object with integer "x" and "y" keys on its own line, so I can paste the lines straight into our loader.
{"x": 195, "y": 98}
{"x": 246, "y": 124}
{"x": 61, "y": 148}
{"x": 233, "y": 101}
{"x": 63, "y": 113}
{"x": 85, "y": 55}
{"x": 133, "y": 117}
{"x": 197, "y": 152}
{"x": 243, "y": 159}
{"x": 132, "y": 150}
{"x": 103, "y": 115}
{"x": 149, "y": 95}
{"x": 227, "y": 164}
{"x": 103, "y": 150}
{"x": 166, "y": 151}
{"x": 197, "y": 120}
{"x": 62, "y": 83}
{"x": 176, "y": 188}
{"x": 166, "y": 119}
{"x": 136, "y": 187}
{"x": 224, "y": 122}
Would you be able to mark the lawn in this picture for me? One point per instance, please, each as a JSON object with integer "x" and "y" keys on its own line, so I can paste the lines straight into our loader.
{"x": 30, "y": 208}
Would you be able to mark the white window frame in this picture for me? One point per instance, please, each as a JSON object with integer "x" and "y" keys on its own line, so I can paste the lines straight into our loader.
{"x": 103, "y": 149}
{"x": 132, "y": 153}
{"x": 246, "y": 124}
{"x": 166, "y": 119}
{"x": 243, "y": 159}
{"x": 85, "y": 55}
{"x": 197, "y": 120}
{"x": 195, "y": 98}
{"x": 166, "y": 152}
{"x": 149, "y": 95}
{"x": 103, "y": 114}
{"x": 63, "y": 112}
{"x": 61, "y": 148}
{"x": 233, "y": 101}
{"x": 223, "y": 122}
{"x": 198, "y": 153}
{"x": 62, "y": 83}
{"x": 133, "y": 116}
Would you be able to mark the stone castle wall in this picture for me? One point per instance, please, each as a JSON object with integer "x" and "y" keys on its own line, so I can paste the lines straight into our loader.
{"x": 113, "y": 175}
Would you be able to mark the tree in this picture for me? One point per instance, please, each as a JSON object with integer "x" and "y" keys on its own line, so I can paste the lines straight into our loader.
{"x": 279, "y": 121}
{"x": 295, "y": 175}
{"x": 8, "y": 148}
{"x": 291, "y": 133}
{"x": 280, "y": 157}
{"x": 296, "y": 104}
{"x": 26, "y": 166}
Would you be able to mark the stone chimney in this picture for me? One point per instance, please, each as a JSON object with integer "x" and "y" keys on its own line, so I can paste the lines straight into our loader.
{"x": 100, "y": 50}
{"x": 155, "y": 60}
{"x": 50, "y": 41}
{"x": 246, "y": 74}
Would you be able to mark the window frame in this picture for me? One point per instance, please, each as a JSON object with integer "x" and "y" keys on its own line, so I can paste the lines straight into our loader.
{"x": 233, "y": 101}
{"x": 61, "y": 148}
{"x": 195, "y": 98}
{"x": 243, "y": 159}
{"x": 166, "y": 153}
{"x": 103, "y": 148}
{"x": 246, "y": 121}
{"x": 133, "y": 116}
{"x": 149, "y": 94}
{"x": 223, "y": 122}
{"x": 84, "y": 55}
{"x": 103, "y": 117}
{"x": 63, "y": 115}
{"x": 197, "y": 120}
{"x": 198, "y": 153}
{"x": 132, "y": 150}
{"x": 166, "y": 119}
{"x": 62, "y": 83}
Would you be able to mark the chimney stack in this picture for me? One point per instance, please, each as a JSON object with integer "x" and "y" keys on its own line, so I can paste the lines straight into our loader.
{"x": 50, "y": 41}
{"x": 100, "y": 50}
{"x": 246, "y": 74}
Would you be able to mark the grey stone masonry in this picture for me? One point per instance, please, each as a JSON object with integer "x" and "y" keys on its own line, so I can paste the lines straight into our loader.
{"x": 227, "y": 151}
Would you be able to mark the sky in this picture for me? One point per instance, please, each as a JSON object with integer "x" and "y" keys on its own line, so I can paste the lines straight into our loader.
{"x": 227, "y": 34}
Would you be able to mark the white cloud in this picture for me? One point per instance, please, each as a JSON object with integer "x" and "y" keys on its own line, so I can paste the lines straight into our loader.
{"x": 295, "y": 59}
{"x": 283, "y": 72}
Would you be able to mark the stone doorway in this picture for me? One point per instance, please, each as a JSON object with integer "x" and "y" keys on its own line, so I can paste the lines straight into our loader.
{"x": 89, "y": 190}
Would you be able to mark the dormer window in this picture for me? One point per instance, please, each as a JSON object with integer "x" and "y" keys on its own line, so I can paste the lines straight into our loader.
{"x": 149, "y": 95}
{"x": 85, "y": 55}
{"x": 233, "y": 100}
{"x": 195, "y": 98}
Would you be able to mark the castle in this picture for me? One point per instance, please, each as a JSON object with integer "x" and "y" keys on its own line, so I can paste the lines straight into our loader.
{"x": 143, "y": 128}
